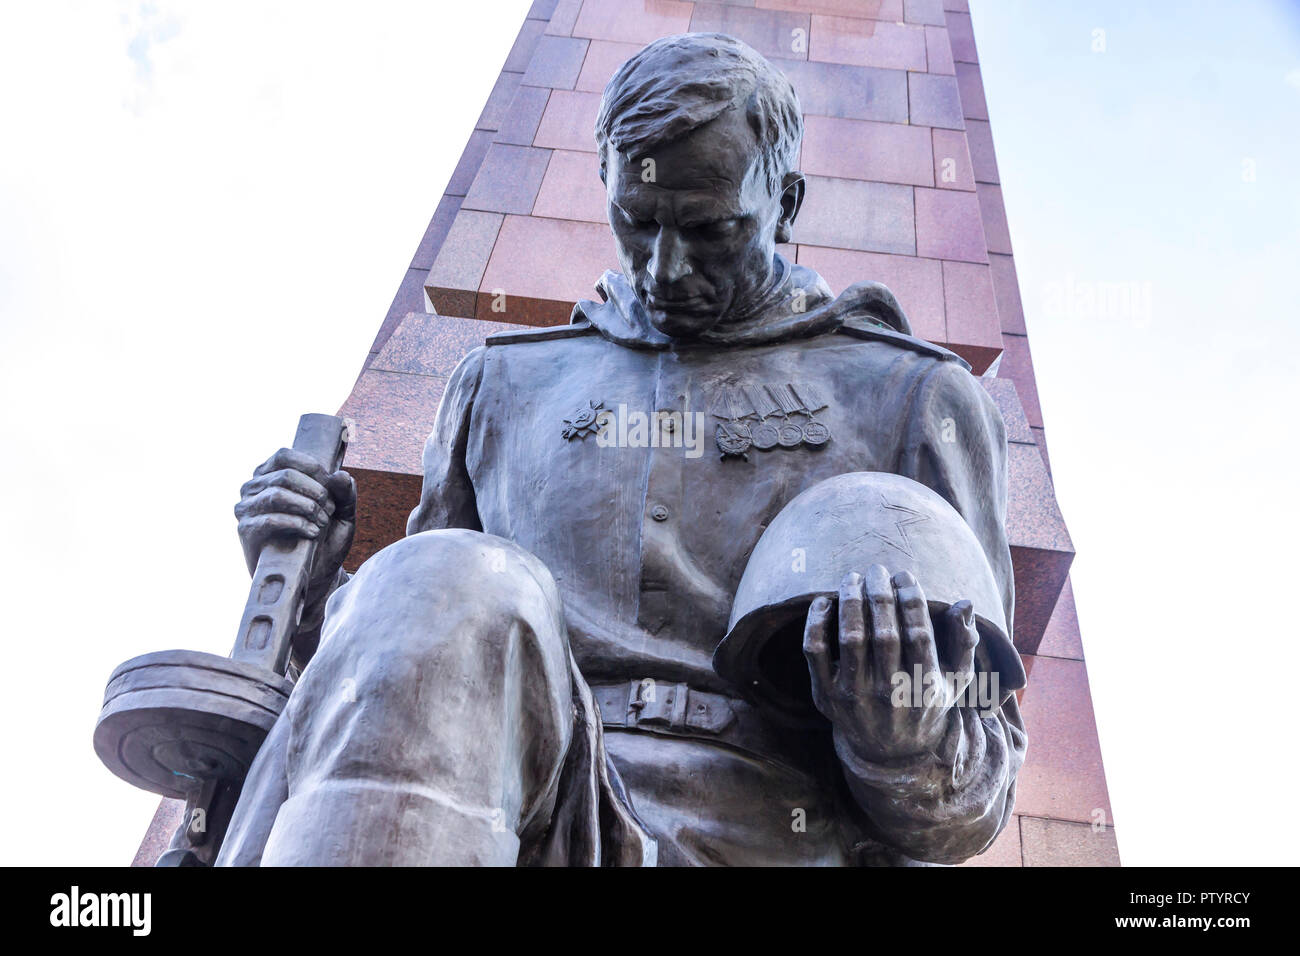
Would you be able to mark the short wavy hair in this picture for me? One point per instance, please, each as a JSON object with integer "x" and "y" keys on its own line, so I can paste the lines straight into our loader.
{"x": 679, "y": 83}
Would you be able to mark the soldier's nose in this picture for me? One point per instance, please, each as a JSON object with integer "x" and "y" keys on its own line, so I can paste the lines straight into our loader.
{"x": 668, "y": 260}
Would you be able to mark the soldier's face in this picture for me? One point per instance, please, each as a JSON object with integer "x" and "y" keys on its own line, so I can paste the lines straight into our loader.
{"x": 696, "y": 224}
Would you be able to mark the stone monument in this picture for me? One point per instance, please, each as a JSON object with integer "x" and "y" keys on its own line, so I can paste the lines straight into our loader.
{"x": 533, "y": 675}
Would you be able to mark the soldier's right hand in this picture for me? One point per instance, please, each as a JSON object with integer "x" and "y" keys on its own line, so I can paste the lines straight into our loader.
{"x": 291, "y": 495}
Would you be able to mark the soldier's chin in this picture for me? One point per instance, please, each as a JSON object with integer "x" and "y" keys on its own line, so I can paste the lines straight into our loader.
{"x": 683, "y": 325}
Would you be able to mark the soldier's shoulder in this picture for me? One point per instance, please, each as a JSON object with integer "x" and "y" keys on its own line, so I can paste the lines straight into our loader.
{"x": 868, "y": 330}
{"x": 576, "y": 330}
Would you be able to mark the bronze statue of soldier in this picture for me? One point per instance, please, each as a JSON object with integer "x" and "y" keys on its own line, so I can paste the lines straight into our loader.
{"x": 528, "y": 677}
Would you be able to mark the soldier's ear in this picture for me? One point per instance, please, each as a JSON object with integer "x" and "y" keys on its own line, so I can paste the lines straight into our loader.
{"x": 792, "y": 187}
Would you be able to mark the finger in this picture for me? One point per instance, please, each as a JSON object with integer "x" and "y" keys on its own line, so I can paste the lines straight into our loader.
{"x": 852, "y": 636}
{"x": 884, "y": 628}
{"x": 296, "y": 460}
{"x": 816, "y": 646}
{"x": 293, "y": 480}
{"x": 918, "y": 632}
{"x": 262, "y": 527}
{"x": 282, "y": 501}
{"x": 343, "y": 490}
{"x": 963, "y": 638}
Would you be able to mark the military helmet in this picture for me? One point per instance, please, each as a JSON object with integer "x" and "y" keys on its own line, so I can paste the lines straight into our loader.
{"x": 848, "y": 523}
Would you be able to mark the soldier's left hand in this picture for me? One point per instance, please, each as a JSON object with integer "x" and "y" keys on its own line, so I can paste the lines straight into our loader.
{"x": 884, "y": 631}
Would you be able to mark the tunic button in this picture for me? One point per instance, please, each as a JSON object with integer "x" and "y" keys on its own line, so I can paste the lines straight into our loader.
{"x": 659, "y": 513}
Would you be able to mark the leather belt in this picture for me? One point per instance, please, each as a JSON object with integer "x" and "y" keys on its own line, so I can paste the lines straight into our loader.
{"x": 677, "y": 709}
{"x": 657, "y": 705}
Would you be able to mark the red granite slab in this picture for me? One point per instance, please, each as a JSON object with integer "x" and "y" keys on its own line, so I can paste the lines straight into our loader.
{"x": 963, "y": 37}
{"x": 1061, "y": 843}
{"x": 980, "y": 137}
{"x": 519, "y": 125}
{"x": 948, "y": 226}
{"x": 851, "y": 214}
{"x": 952, "y": 162}
{"x": 934, "y": 100}
{"x": 1006, "y": 287}
{"x": 503, "y": 92}
{"x": 556, "y": 63}
{"x": 917, "y": 283}
{"x": 435, "y": 232}
{"x": 1018, "y": 365}
{"x": 938, "y": 53}
{"x": 858, "y": 149}
{"x": 571, "y": 188}
{"x": 971, "y": 308}
{"x": 924, "y": 11}
{"x": 1004, "y": 395}
{"x": 471, "y": 158}
{"x": 1063, "y": 777}
{"x": 452, "y": 283}
{"x": 525, "y": 44}
{"x": 604, "y": 57}
{"x": 543, "y": 266}
{"x": 851, "y": 92}
{"x": 633, "y": 21}
{"x": 1005, "y": 850}
{"x": 971, "y": 87}
{"x": 770, "y": 32}
{"x": 564, "y": 17}
{"x": 569, "y": 121}
{"x": 508, "y": 180}
{"x": 165, "y": 821}
{"x": 433, "y": 345}
{"x": 1062, "y": 638}
{"x": 874, "y": 9}
{"x": 894, "y": 46}
{"x": 994, "y": 215}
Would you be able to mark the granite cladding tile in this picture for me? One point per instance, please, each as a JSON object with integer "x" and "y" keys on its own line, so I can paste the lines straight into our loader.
{"x": 1004, "y": 395}
{"x": 948, "y": 226}
{"x": 453, "y": 281}
{"x": 963, "y": 37}
{"x": 895, "y": 46}
{"x": 970, "y": 305}
{"x": 924, "y": 11}
{"x": 952, "y": 163}
{"x": 499, "y": 100}
{"x": 850, "y": 214}
{"x": 994, "y": 215}
{"x": 873, "y": 9}
{"x": 1062, "y": 637}
{"x": 525, "y": 43}
{"x": 971, "y": 88}
{"x": 1063, "y": 777}
{"x": 876, "y": 152}
{"x": 435, "y": 232}
{"x": 916, "y": 283}
{"x": 938, "y": 53}
{"x": 773, "y": 33}
{"x": 980, "y": 137}
{"x": 470, "y": 159}
{"x": 1006, "y": 287}
{"x": 572, "y": 188}
{"x": 1060, "y": 843}
{"x": 562, "y": 19}
{"x": 1018, "y": 365}
{"x": 519, "y": 125}
{"x": 633, "y": 21}
{"x": 546, "y": 261}
{"x": 604, "y": 57}
{"x": 569, "y": 121}
{"x": 556, "y": 63}
{"x": 849, "y": 92}
{"x": 508, "y": 180}
{"x": 1005, "y": 850}
{"x": 934, "y": 100}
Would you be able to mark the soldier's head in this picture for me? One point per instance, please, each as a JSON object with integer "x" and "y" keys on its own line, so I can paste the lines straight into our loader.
{"x": 698, "y": 137}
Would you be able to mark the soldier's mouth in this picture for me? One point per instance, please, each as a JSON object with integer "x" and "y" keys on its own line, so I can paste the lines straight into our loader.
{"x": 694, "y": 303}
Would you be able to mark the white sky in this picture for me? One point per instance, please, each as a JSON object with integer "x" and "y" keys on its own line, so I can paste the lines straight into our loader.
{"x": 206, "y": 208}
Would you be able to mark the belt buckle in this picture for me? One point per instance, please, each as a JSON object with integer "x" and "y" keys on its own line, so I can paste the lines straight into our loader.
{"x": 650, "y": 702}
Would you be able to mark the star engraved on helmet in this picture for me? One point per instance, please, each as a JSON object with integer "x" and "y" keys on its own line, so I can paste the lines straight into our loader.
{"x": 900, "y": 542}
